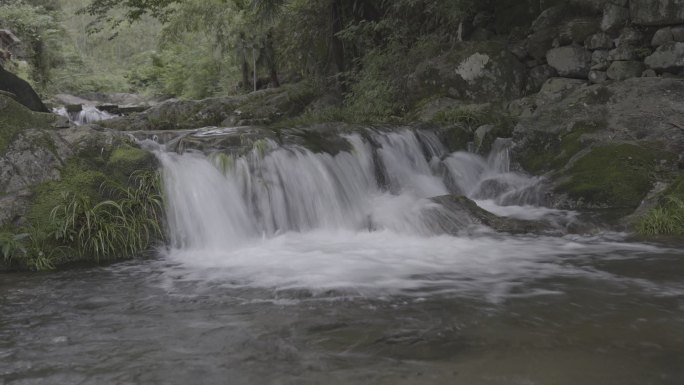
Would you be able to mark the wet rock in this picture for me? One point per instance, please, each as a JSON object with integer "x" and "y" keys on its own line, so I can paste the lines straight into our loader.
{"x": 621, "y": 70}
{"x": 459, "y": 213}
{"x": 481, "y": 134}
{"x": 573, "y": 62}
{"x": 667, "y": 57}
{"x": 657, "y": 12}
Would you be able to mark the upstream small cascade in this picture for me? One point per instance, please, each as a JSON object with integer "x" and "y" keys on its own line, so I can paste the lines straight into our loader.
{"x": 383, "y": 182}
{"x": 87, "y": 115}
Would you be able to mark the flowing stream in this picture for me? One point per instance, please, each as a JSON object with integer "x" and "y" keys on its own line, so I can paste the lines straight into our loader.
{"x": 287, "y": 266}
{"x": 87, "y": 115}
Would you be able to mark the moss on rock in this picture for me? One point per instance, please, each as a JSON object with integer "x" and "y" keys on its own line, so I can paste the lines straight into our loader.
{"x": 126, "y": 159}
{"x": 77, "y": 177}
{"x": 15, "y": 118}
{"x": 546, "y": 151}
{"x": 617, "y": 176}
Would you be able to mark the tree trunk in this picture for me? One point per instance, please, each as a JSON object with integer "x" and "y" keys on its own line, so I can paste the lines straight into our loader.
{"x": 271, "y": 62}
{"x": 245, "y": 74}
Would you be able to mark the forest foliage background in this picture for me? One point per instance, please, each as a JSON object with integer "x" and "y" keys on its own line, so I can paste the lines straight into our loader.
{"x": 201, "y": 48}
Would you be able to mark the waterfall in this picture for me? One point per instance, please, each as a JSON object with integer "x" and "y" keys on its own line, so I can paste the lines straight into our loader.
{"x": 226, "y": 198}
{"x": 87, "y": 115}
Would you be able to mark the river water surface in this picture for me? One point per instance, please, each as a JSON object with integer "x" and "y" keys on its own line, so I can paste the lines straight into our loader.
{"x": 286, "y": 266}
{"x": 608, "y": 313}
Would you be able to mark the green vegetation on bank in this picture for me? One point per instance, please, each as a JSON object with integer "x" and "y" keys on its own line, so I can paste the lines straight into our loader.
{"x": 668, "y": 217}
{"x": 106, "y": 206}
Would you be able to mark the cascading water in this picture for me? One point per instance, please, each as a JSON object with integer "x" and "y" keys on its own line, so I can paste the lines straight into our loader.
{"x": 87, "y": 115}
{"x": 285, "y": 217}
{"x": 273, "y": 189}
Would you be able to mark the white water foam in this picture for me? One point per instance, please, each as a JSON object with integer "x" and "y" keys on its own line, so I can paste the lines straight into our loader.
{"x": 87, "y": 115}
{"x": 287, "y": 218}
{"x": 387, "y": 263}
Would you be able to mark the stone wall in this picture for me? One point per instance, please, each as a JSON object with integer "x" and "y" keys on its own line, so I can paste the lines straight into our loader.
{"x": 612, "y": 40}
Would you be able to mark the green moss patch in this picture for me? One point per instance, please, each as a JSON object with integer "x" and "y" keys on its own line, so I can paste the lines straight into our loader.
{"x": 125, "y": 160}
{"x": 15, "y": 118}
{"x": 617, "y": 176}
{"x": 546, "y": 151}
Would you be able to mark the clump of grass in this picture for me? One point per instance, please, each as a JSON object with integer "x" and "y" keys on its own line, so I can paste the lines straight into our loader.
{"x": 31, "y": 250}
{"x": 12, "y": 246}
{"x": 111, "y": 229}
{"x": 83, "y": 227}
{"x": 667, "y": 219}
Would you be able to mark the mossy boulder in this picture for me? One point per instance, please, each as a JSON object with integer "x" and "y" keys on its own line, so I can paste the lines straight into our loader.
{"x": 14, "y": 118}
{"x": 545, "y": 151}
{"x": 257, "y": 108}
{"x": 126, "y": 159}
{"x": 615, "y": 176}
{"x": 603, "y": 146}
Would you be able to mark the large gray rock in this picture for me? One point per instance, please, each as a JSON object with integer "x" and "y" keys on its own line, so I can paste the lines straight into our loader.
{"x": 475, "y": 72}
{"x": 621, "y": 70}
{"x": 657, "y": 12}
{"x": 662, "y": 36}
{"x": 572, "y": 61}
{"x": 604, "y": 145}
{"x": 667, "y": 57}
